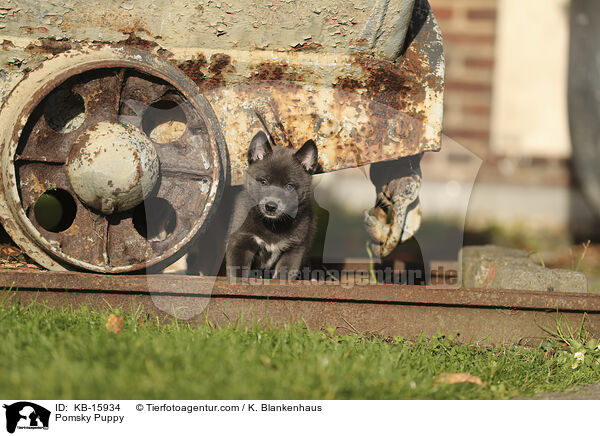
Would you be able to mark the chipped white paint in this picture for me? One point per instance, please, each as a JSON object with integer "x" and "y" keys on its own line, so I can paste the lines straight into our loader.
{"x": 335, "y": 25}
{"x": 115, "y": 168}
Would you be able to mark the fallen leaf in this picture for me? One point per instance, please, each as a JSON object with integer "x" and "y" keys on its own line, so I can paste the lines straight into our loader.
{"x": 450, "y": 378}
{"x": 114, "y": 323}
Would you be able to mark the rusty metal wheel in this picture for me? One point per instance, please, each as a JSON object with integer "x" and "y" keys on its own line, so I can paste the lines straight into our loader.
{"x": 113, "y": 162}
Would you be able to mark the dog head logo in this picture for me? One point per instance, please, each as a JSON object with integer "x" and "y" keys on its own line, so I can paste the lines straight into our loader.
{"x": 26, "y": 415}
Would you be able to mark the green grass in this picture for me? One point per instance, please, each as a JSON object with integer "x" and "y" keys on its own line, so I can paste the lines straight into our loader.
{"x": 49, "y": 353}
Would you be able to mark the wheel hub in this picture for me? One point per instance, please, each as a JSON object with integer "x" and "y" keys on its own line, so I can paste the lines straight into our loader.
{"x": 113, "y": 167}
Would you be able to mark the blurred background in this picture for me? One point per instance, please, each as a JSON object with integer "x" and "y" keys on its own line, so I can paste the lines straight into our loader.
{"x": 505, "y": 173}
{"x": 506, "y": 102}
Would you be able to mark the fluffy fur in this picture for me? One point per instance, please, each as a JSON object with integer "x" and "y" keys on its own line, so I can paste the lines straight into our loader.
{"x": 273, "y": 218}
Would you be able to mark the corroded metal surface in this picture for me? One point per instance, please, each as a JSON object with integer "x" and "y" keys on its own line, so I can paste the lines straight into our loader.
{"x": 337, "y": 87}
{"x": 396, "y": 216}
{"x": 477, "y": 314}
{"x": 113, "y": 167}
{"x": 359, "y": 109}
{"x": 362, "y": 79}
{"x": 375, "y": 26}
{"x": 123, "y": 87}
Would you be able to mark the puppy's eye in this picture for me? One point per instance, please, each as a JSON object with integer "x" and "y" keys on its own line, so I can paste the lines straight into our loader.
{"x": 289, "y": 187}
{"x": 262, "y": 181}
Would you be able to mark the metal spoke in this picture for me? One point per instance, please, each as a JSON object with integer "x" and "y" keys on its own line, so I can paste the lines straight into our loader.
{"x": 102, "y": 94}
{"x": 84, "y": 238}
{"x": 189, "y": 155}
{"x": 187, "y": 196}
{"x": 19, "y": 160}
{"x": 43, "y": 144}
{"x": 185, "y": 160}
{"x": 124, "y": 245}
{"x": 195, "y": 123}
{"x": 138, "y": 94}
{"x": 184, "y": 172}
{"x": 144, "y": 89}
{"x": 35, "y": 179}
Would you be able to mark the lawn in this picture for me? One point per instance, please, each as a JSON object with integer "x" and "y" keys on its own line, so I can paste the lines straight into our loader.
{"x": 76, "y": 354}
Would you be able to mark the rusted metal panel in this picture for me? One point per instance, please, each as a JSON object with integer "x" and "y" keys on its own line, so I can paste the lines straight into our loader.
{"x": 476, "y": 314}
{"x": 362, "y": 79}
{"x": 341, "y": 77}
{"x": 359, "y": 110}
{"x": 273, "y": 25}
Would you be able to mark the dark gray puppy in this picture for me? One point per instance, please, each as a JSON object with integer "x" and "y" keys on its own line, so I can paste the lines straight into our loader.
{"x": 273, "y": 219}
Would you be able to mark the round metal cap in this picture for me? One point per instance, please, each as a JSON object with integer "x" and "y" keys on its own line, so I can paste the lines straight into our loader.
{"x": 112, "y": 167}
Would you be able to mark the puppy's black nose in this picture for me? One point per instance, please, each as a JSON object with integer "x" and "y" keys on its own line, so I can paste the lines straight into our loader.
{"x": 271, "y": 206}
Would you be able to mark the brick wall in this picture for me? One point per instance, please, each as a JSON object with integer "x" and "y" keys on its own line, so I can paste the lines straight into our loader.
{"x": 468, "y": 29}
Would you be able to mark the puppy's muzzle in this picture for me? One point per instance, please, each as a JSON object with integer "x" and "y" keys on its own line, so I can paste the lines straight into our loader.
{"x": 271, "y": 206}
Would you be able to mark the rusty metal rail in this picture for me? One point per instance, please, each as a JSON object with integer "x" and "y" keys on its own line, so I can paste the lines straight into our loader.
{"x": 475, "y": 314}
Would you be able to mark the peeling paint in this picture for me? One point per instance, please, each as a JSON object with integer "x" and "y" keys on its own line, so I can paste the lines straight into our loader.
{"x": 339, "y": 73}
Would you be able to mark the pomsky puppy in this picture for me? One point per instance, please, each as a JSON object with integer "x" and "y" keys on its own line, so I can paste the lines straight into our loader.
{"x": 273, "y": 221}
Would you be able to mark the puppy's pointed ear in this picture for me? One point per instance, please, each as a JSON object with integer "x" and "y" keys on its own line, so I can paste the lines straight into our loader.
{"x": 308, "y": 156}
{"x": 259, "y": 147}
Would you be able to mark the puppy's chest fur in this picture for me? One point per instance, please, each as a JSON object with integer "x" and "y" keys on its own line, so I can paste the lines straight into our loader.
{"x": 269, "y": 253}
{"x": 269, "y": 244}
